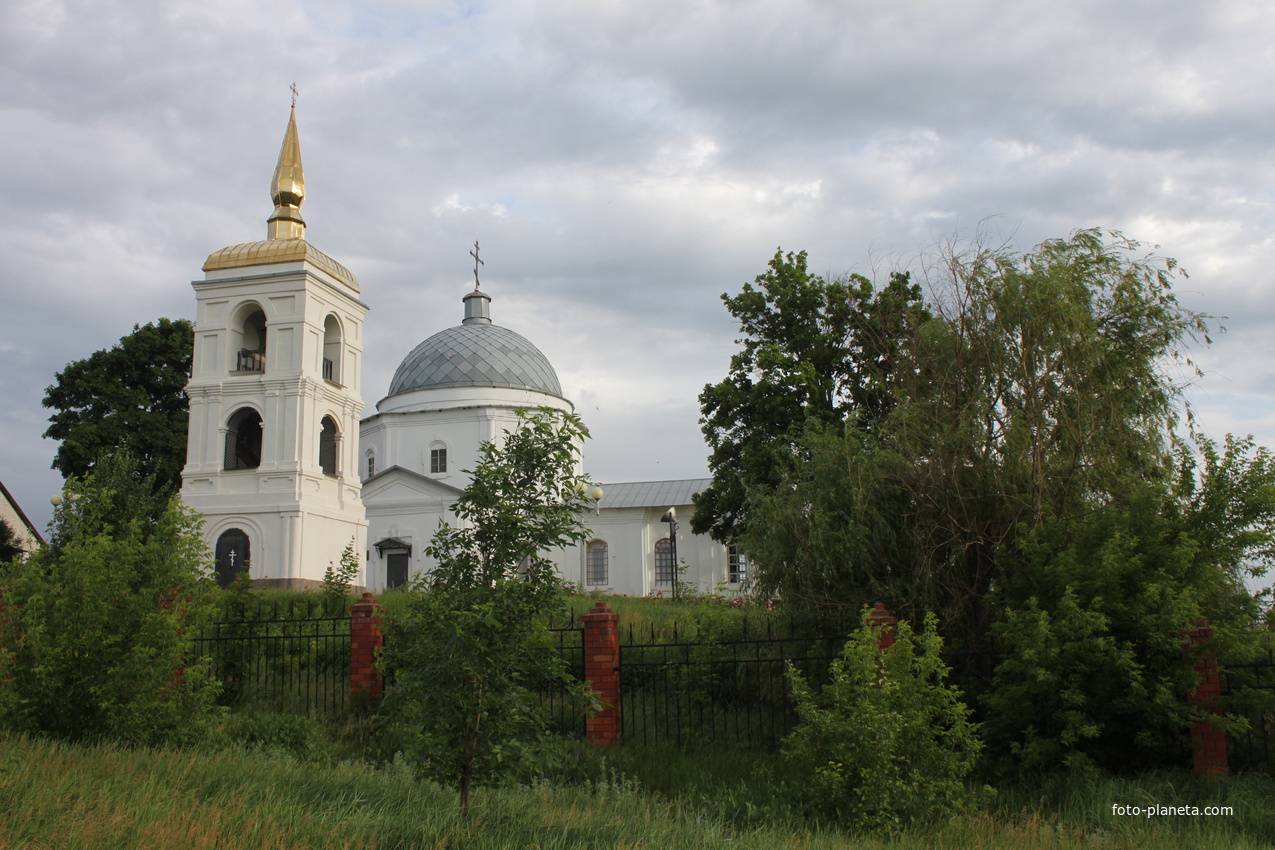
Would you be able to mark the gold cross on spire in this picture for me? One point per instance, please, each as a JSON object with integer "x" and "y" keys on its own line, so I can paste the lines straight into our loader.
{"x": 477, "y": 263}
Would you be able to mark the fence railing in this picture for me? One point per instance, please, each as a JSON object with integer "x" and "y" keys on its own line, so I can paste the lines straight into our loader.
{"x": 1248, "y": 691}
{"x": 567, "y": 715}
{"x": 683, "y": 690}
{"x": 285, "y": 664}
{"x": 698, "y": 688}
{"x": 716, "y": 691}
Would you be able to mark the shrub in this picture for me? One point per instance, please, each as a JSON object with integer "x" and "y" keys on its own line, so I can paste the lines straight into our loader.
{"x": 99, "y": 626}
{"x": 886, "y": 742}
{"x": 340, "y": 578}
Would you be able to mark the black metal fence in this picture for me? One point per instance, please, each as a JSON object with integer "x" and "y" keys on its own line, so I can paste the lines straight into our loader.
{"x": 567, "y": 714}
{"x": 716, "y": 690}
{"x": 1248, "y": 691}
{"x": 289, "y": 661}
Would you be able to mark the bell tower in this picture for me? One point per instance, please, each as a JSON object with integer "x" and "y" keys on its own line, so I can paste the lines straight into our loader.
{"x": 275, "y": 399}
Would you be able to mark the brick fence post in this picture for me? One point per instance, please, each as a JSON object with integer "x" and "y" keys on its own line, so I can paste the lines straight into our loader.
{"x": 883, "y": 622}
{"x": 602, "y": 671}
{"x": 1208, "y": 743}
{"x": 365, "y": 639}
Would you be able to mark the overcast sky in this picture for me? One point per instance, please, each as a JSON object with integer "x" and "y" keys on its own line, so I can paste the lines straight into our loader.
{"x": 623, "y": 164}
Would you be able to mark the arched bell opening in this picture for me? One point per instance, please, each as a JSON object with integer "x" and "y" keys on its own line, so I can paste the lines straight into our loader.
{"x": 243, "y": 440}
{"x": 329, "y": 441}
{"x": 248, "y": 339}
{"x": 332, "y": 347}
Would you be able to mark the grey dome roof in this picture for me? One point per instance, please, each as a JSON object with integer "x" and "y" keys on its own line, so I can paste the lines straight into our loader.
{"x": 477, "y": 354}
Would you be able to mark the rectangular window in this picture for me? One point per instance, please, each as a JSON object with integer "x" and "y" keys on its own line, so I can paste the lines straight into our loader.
{"x": 371, "y": 465}
{"x": 736, "y": 565}
{"x": 437, "y": 461}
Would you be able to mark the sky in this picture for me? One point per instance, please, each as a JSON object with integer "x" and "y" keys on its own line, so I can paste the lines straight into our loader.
{"x": 623, "y": 164}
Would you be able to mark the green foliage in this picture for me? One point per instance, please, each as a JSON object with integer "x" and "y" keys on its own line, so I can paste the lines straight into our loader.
{"x": 1068, "y": 690}
{"x": 10, "y": 544}
{"x": 887, "y": 741}
{"x": 340, "y": 578}
{"x": 132, "y": 396}
{"x": 100, "y": 623}
{"x": 1089, "y": 613}
{"x": 472, "y": 648}
{"x": 813, "y": 351}
{"x": 1026, "y": 482}
{"x": 1035, "y": 392}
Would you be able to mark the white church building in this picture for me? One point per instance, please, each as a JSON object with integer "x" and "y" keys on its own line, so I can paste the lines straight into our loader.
{"x": 287, "y": 475}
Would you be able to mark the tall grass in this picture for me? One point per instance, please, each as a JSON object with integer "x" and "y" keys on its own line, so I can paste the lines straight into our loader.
{"x": 56, "y": 795}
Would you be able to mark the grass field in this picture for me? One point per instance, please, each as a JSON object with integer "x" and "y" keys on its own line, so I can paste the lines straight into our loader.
{"x": 55, "y": 795}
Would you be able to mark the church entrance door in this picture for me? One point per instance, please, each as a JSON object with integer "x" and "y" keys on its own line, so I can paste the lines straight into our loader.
{"x": 396, "y": 569}
{"x": 233, "y": 552}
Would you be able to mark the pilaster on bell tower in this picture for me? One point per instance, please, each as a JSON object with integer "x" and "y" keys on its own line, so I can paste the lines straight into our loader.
{"x": 275, "y": 398}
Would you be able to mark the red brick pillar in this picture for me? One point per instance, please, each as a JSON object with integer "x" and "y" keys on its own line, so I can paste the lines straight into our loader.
{"x": 1208, "y": 743}
{"x": 365, "y": 640}
{"x": 883, "y": 622}
{"x": 602, "y": 671}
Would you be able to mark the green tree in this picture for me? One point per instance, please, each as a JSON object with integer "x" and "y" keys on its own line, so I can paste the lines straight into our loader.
{"x": 472, "y": 648}
{"x": 813, "y": 351}
{"x": 1036, "y": 391}
{"x": 132, "y": 395}
{"x": 101, "y": 622}
{"x": 1028, "y": 484}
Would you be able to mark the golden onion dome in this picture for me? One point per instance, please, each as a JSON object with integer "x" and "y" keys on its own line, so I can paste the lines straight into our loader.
{"x": 285, "y": 229}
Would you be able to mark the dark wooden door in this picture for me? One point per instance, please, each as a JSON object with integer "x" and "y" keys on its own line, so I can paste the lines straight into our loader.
{"x": 233, "y": 552}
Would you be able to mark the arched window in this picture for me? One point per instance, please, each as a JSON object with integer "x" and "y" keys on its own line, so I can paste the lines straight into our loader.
{"x": 332, "y": 349}
{"x": 233, "y": 553}
{"x": 243, "y": 440}
{"x": 371, "y": 464}
{"x": 329, "y": 438}
{"x": 596, "y": 563}
{"x": 437, "y": 459}
{"x": 663, "y": 562}
{"x": 251, "y": 339}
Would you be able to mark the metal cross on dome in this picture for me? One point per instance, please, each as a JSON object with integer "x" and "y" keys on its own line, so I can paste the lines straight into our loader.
{"x": 477, "y": 263}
